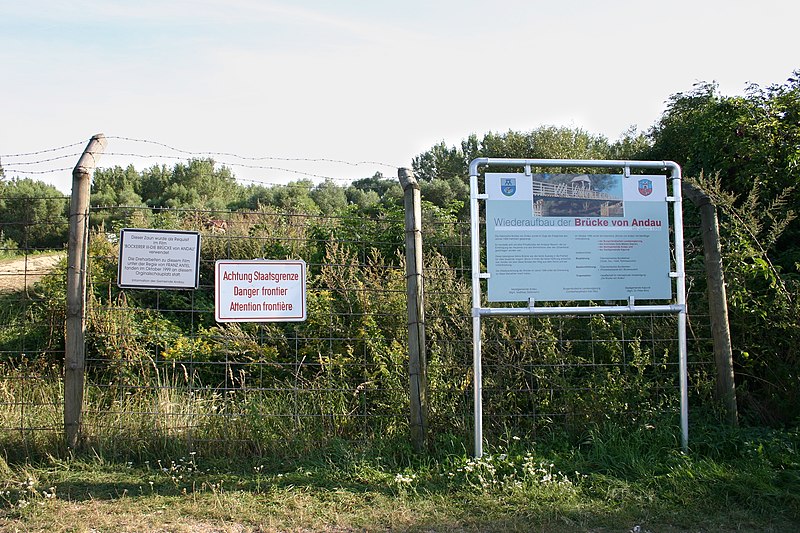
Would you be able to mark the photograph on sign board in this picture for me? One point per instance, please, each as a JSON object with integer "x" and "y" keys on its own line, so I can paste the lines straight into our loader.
{"x": 586, "y": 195}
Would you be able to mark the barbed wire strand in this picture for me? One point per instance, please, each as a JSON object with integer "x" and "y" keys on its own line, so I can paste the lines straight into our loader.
{"x": 40, "y": 161}
{"x": 50, "y": 171}
{"x": 240, "y": 165}
{"x": 13, "y": 168}
{"x": 256, "y": 158}
{"x": 192, "y": 153}
{"x": 236, "y": 178}
{"x": 44, "y": 151}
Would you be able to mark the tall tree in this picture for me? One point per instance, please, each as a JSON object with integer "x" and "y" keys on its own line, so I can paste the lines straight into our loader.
{"x": 116, "y": 186}
{"x": 440, "y": 162}
{"x": 197, "y": 183}
{"x": 745, "y": 139}
{"x": 747, "y": 149}
{"x": 378, "y": 184}
{"x": 444, "y": 170}
{"x": 33, "y": 214}
{"x": 330, "y": 197}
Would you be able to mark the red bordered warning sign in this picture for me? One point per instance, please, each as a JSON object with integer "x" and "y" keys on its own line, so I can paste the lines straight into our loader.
{"x": 260, "y": 291}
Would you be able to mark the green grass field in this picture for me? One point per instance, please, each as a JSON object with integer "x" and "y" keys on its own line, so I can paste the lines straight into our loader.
{"x": 609, "y": 479}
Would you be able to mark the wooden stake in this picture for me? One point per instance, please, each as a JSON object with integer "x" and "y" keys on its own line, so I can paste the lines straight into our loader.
{"x": 417, "y": 359}
{"x": 74, "y": 345}
{"x": 725, "y": 388}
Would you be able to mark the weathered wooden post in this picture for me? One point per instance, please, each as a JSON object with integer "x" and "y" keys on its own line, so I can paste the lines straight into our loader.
{"x": 725, "y": 388}
{"x": 74, "y": 345}
{"x": 417, "y": 360}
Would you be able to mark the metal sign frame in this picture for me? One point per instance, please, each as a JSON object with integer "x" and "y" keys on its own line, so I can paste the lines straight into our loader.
{"x": 678, "y": 275}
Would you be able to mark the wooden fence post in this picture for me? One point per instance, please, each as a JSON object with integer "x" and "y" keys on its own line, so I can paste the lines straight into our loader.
{"x": 74, "y": 345}
{"x": 725, "y": 388}
{"x": 417, "y": 359}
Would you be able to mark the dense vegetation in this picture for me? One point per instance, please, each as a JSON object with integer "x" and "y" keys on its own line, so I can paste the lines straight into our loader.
{"x": 745, "y": 152}
{"x": 33, "y": 215}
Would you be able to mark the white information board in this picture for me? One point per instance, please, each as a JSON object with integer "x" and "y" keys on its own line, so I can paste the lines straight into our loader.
{"x": 158, "y": 259}
{"x": 559, "y": 237}
{"x": 260, "y": 291}
{"x": 554, "y": 237}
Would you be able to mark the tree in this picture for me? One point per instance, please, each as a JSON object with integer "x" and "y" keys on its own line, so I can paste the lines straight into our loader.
{"x": 631, "y": 145}
{"x": 750, "y": 144}
{"x": 444, "y": 192}
{"x": 329, "y": 197}
{"x": 293, "y": 197}
{"x": 363, "y": 199}
{"x": 547, "y": 142}
{"x": 198, "y": 183}
{"x": 444, "y": 171}
{"x": 378, "y": 184}
{"x": 33, "y": 214}
{"x": 744, "y": 139}
{"x": 154, "y": 181}
{"x": 440, "y": 162}
{"x": 116, "y": 186}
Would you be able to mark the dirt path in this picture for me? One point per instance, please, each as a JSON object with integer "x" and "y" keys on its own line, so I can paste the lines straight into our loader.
{"x": 15, "y": 274}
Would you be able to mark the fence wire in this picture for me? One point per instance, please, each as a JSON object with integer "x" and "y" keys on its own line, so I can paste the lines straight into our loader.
{"x": 161, "y": 372}
{"x": 31, "y": 389}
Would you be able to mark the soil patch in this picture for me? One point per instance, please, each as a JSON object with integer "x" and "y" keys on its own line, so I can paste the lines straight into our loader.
{"x": 16, "y": 274}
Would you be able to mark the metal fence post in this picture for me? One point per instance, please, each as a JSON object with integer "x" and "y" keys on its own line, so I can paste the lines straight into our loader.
{"x": 717, "y": 302}
{"x": 418, "y": 386}
{"x": 74, "y": 346}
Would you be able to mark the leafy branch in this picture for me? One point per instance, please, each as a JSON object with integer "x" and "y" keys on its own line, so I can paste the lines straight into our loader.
{"x": 762, "y": 224}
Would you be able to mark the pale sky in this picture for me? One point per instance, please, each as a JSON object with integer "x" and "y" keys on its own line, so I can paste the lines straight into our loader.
{"x": 357, "y": 80}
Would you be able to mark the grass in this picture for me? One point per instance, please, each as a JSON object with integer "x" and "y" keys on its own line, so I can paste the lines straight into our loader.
{"x": 609, "y": 479}
{"x": 144, "y": 475}
{"x": 138, "y": 471}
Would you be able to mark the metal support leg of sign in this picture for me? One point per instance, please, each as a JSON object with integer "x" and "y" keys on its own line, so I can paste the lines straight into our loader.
{"x": 679, "y": 276}
{"x": 680, "y": 291}
{"x": 476, "y": 317}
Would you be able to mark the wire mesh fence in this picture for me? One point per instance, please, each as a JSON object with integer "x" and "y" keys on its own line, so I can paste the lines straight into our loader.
{"x": 31, "y": 390}
{"x": 161, "y": 372}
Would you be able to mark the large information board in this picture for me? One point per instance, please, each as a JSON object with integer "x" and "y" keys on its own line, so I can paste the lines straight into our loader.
{"x": 572, "y": 237}
{"x": 158, "y": 259}
{"x": 557, "y": 237}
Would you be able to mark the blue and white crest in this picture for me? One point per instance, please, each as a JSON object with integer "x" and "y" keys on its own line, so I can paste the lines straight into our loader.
{"x": 645, "y": 187}
{"x": 508, "y": 186}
